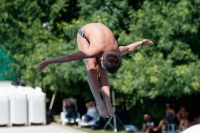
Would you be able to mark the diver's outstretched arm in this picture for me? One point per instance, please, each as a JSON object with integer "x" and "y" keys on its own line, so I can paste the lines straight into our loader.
{"x": 84, "y": 54}
{"x": 131, "y": 47}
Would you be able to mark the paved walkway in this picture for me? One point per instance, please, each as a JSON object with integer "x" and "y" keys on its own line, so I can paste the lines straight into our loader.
{"x": 52, "y": 128}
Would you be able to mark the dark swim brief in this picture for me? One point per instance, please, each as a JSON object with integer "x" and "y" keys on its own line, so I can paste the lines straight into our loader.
{"x": 81, "y": 33}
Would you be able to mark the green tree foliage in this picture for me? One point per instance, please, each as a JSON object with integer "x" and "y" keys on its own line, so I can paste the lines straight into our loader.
{"x": 171, "y": 66}
{"x": 34, "y": 30}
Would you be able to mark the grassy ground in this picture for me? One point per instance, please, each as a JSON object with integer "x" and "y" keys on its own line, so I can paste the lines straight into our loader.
{"x": 88, "y": 129}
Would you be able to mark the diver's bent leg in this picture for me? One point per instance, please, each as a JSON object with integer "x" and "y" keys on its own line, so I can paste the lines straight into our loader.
{"x": 92, "y": 80}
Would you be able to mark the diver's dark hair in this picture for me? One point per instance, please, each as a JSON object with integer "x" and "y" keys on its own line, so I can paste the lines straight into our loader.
{"x": 111, "y": 61}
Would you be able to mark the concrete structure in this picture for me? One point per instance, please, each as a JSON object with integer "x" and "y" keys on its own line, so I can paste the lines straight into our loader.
{"x": 52, "y": 128}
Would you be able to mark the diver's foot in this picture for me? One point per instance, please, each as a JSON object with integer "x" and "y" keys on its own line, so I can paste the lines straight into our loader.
{"x": 109, "y": 106}
{"x": 102, "y": 109}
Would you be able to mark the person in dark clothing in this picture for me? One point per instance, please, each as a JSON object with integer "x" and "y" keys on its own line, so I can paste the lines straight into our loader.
{"x": 69, "y": 110}
{"x": 148, "y": 123}
{"x": 168, "y": 119}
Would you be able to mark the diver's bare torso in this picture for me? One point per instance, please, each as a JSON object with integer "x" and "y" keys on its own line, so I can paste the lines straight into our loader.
{"x": 101, "y": 37}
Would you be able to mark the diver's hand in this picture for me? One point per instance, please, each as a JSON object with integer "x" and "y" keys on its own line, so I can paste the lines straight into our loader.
{"x": 42, "y": 65}
{"x": 146, "y": 42}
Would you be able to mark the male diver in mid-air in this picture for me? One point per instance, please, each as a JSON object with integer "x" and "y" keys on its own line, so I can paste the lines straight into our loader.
{"x": 98, "y": 47}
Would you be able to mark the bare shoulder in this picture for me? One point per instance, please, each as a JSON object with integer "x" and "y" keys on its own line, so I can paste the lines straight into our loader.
{"x": 100, "y": 36}
{"x": 99, "y": 46}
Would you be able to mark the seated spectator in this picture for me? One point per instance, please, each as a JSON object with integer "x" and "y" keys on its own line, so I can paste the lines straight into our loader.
{"x": 182, "y": 117}
{"x": 92, "y": 112}
{"x": 148, "y": 123}
{"x": 196, "y": 120}
{"x": 69, "y": 109}
{"x": 182, "y": 114}
{"x": 168, "y": 119}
